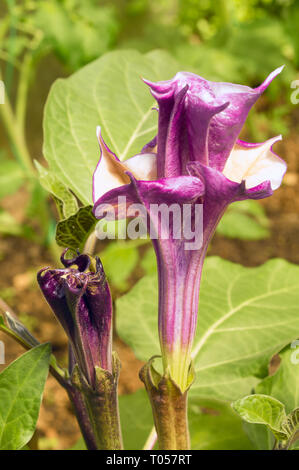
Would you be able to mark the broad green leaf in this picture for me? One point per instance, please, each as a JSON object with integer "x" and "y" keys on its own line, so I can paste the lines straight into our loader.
{"x": 213, "y": 424}
{"x": 245, "y": 220}
{"x": 234, "y": 225}
{"x": 149, "y": 262}
{"x": 139, "y": 328}
{"x": 119, "y": 260}
{"x": 246, "y": 315}
{"x": 262, "y": 409}
{"x": 136, "y": 419}
{"x": 251, "y": 207}
{"x": 11, "y": 177}
{"x": 50, "y": 182}
{"x": 108, "y": 92}
{"x": 21, "y": 389}
{"x": 74, "y": 231}
{"x": 259, "y": 435}
{"x": 284, "y": 384}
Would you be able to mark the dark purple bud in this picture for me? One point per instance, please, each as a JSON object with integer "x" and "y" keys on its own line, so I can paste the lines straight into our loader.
{"x": 80, "y": 299}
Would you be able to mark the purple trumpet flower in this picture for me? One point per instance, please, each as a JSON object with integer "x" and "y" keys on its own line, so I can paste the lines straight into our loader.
{"x": 196, "y": 159}
{"x": 81, "y": 301}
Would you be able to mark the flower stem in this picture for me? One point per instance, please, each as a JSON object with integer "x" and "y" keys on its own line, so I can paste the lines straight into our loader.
{"x": 82, "y": 417}
{"x": 169, "y": 407}
{"x": 101, "y": 420}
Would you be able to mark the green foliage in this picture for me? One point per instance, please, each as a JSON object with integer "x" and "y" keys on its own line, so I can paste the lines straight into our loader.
{"x": 284, "y": 384}
{"x": 77, "y": 32}
{"x": 259, "y": 435}
{"x": 119, "y": 259}
{"x": 225, "y": 40}
{"x": 291, "y": 19}
{"x": 266, "y": 410}
{"x": 240, "y": 323}
{"x": 74, "y": 231}
{"x": 21, "y": 389}
{"x": 65, "y": 200}
{"x": 10, "y": 226}
{"x": 149, "y": 262}
{"x": 11, "y": 177}
{"x": 136, "y": 419}
{"x": 245, "y": 220}
{"x": 233, "y": 60}
{"x": 213, "y": 425}
{"x": 263, "y": 124}
{"x": 80, "y": 27}
{"x": 261, "y": 409}
{"x": 109, "y": 92}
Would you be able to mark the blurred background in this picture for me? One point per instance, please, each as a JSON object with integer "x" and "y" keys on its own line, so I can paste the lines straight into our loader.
{"x": 239, "y": 41}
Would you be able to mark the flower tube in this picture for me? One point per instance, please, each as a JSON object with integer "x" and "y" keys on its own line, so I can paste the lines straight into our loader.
{"x": 195, "y": 160}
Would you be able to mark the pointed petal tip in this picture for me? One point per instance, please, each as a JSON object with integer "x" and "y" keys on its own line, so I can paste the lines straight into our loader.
{"x": 269, "y": 79}
{"x": 103, "y": 146}
{"x": 273, "y": 140}
{"x": 277, "y": 138}
{"x": 159, "y": 87}
{"x": 146, "y": 81}
{"x": 99, "y": 136}
{"x": 41, "y": 272}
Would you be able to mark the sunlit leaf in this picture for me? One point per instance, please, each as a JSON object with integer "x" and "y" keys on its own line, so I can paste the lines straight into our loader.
{"x": 108, "y": 92}
{"x": 245, "y": 220}
{"x": 51, "y": 183}
{"x": 262, "y": 409}
{"x": 21, "y": 389}
{"x": 245, "y": 316}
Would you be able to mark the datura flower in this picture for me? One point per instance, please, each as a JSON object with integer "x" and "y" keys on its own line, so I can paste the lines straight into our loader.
{"x": 81, "y": 301}
{"x": 195, "y": 159}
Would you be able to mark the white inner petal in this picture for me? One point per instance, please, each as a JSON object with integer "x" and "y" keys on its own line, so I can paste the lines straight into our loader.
{"x": 255, "y": 165}
{"x": 110, "y": 173}
{"x": 107, "y": 176}
{"x": 143, "y": 166}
